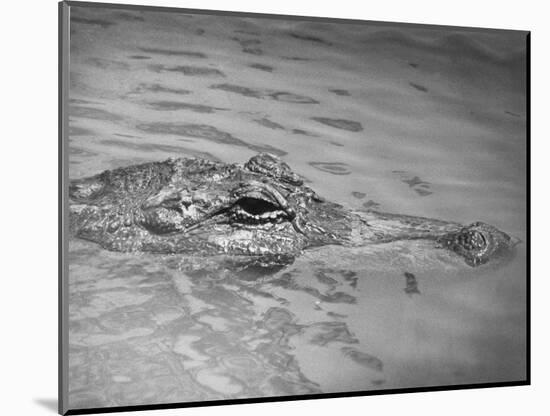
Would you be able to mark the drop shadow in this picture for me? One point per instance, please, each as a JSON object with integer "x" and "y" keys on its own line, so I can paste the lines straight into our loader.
{"x": 49, "y": 404}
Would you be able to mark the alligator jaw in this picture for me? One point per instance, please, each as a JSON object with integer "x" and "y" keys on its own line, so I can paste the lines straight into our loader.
{"x": 476, "y": 243}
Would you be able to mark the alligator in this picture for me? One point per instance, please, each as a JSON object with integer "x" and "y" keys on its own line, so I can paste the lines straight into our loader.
{"x": 261, "y": 208}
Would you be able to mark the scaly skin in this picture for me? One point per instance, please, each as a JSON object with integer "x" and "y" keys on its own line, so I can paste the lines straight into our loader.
{"x": 261, "y": 208}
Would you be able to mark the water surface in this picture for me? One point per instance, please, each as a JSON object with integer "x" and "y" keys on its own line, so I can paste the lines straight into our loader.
{"x": 419, "y": 121}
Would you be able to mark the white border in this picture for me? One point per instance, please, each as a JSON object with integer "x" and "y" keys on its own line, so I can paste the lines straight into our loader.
{"x": 29, "y": 205}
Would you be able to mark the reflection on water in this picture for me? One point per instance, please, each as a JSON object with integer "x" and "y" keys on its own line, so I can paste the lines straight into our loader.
{"x": 416, "y": 121}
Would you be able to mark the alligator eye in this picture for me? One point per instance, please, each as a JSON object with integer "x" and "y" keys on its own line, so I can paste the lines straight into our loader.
{"x": 254, "y": 206}
{"x": 256, "y": 211}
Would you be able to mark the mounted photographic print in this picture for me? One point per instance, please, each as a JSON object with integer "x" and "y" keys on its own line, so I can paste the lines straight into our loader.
{"x": 261, "y": 207}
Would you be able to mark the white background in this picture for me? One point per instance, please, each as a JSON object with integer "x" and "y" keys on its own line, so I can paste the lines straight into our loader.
{"x": 28, "y": 208}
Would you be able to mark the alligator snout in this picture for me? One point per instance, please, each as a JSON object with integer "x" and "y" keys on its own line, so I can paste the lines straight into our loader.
{"x": 478, "y": 242}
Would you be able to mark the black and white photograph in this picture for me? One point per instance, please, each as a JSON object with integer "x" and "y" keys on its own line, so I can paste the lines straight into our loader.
{"x": 262, "y": 207}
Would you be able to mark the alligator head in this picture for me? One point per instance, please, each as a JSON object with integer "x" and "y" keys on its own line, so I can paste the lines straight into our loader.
{"x": 196, "y": 206}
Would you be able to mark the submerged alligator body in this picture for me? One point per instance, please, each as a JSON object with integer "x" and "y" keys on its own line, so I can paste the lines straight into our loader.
{"x": 260, "y": 208}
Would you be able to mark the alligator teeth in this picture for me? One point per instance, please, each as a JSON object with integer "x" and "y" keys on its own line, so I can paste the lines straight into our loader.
{"x": 243, "y": 215}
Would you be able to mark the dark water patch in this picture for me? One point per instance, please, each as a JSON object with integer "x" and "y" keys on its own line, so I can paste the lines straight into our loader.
{"x": 413, "y": 64}
{"x": 336, "y": 168}
{"x": 324, "y": 278}
{"x": 105, "y": 24}
{"x": 253, "y": 51}
{"x": 352, "y": 281}
{"x": 418, "y": 87}
{"x": 359, "y": 195}
{"x": 512, "y": 114}
{"x": 92, "y": 113}
{"x": 129, "y": 17}
{"x": 160, "y": 88}
{"x": 303, "y": 133}
{"x": 177, "y": 105}
{"x": 363, "y": 359}
{"x": 370, "y": 204}
{"x": 173, "y": 52}
{"x": 253, "y": 269}
{"x": 309, "y": 38}
{"x": 351, "y": 277}
{"x": 422, "y": 192}
{"x": 188, "y": 70}
{"x": 200, "y": 32}
{"x": 421, "y": 187}
{"x": 236, "y": 89}
{"x": 81, "y": 101}
{"x": 329, "y": 332}
{"x": 139, "y": 57}
{"x": 287, "y": 281}
{"x": 415, "y": 181}
{"x": 80, "y": 131}
{"x": 203, "y": 131}
{"x": 269, "y": 124}
{"x": 78, "y": 151}
{"x": 262, "y": 67}
{"x": 411, "y": 284}
{"x": 176, "y": 151}
{"x": 265, "y": 94}
{"x": 339, "y": 123}
{"x": 336, "y": 315}
{"x": 250, "y": 46}
{"x": 289, "y": 97}
{"x": 129, "y": 136}
{"x": 333, "y": 297}
{"x": 108, "y": 64}
{"x": 337, "y": 91}
{"x": 296, "y": 58}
